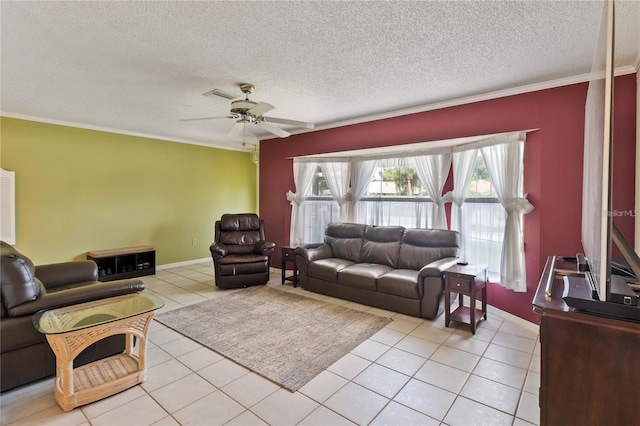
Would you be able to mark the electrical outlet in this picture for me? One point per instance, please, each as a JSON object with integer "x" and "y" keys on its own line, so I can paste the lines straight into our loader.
{"x": 193, "y": 242}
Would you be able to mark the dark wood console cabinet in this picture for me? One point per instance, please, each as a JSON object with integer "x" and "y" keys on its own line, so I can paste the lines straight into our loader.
{"x": 590, "y": 365}
{"x": 128, "y": 262}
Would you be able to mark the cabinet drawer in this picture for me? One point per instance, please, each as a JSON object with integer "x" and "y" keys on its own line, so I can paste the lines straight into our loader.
{"x": 459, "y": 284}
{"x": 288, "y": 254}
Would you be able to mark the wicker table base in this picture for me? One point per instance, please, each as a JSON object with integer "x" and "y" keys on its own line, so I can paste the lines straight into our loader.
{"x": 105, "y": 377}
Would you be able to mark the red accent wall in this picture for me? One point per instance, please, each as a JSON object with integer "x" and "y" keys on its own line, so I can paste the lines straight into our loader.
{"x": 552, "y": 166}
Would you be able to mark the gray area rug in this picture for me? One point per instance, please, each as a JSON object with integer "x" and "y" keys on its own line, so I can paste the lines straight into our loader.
{"x": 284, "y": 337}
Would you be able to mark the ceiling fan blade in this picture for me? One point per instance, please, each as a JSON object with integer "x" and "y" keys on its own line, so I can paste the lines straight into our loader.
{"x": 289, "y": 122}
{"x": 260, "y": 108}
{"x": 205, "y": 118}
{"x": 236, "y": 129}
{"x": 273, "y": 129}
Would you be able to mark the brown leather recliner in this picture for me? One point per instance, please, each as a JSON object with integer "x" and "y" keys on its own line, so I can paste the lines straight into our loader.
{"x": 241, "y": 254}
{"x": 25, "y": 355}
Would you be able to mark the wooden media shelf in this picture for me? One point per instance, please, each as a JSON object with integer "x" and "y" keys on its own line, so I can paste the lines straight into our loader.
{"x": 126, "y": 262}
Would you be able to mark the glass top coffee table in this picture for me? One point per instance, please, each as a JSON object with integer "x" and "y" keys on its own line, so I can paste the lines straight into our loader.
{"x": 71, "y": 329}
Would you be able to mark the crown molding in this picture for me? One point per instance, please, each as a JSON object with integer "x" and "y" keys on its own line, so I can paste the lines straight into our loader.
{"x": 551, "y": 84}
{"x": 112, "y": 130}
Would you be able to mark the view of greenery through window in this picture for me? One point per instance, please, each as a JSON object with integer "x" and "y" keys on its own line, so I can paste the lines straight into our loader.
{"x": 481, "y": 181}
{"x": 389, "y": 181}
{"x": 401, "y": 181}
{"x": 396, "y": 181}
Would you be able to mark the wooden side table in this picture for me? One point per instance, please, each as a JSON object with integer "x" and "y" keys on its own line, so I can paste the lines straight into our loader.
{"x": 465, "y": 280}
{"x": 126, "y": 262}
{"x": 288, "y": 255}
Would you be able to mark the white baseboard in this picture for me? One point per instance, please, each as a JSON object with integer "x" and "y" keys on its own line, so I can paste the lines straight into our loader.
{"x": 185, "y": 263}
{"x": 534, "y": 328}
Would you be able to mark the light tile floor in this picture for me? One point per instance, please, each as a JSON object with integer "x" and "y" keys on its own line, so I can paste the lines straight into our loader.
{"x": 413, "y": 372}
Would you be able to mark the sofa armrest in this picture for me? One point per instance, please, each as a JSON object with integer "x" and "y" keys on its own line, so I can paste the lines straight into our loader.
{"x": 264, "y": 247}
{"x": 306, "y": 254}
{"x": 59, "y": 274}
{"x": 309, "y": 254}
{"x": 218, "y": 250}
{"x": 73, "y": 296}
{"x": 432, "y": 278}
{"x": 437, "y": 267}
{"x": 312, "y": 245}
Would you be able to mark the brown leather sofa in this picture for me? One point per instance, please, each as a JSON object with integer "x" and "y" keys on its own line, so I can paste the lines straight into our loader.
{"x": 25, "y": 355}
{"x": 389, "y": 267}
{"x": 241, "y": 254}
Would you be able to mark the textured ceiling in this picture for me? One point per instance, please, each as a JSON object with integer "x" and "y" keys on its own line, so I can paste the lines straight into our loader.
{"x": 140, "y": 67}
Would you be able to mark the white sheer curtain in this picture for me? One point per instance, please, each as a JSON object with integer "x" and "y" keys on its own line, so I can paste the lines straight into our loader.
{"x": 303, "y": 173}
{"x": 362, "y": 172}
{"x": 337, "y": 176}
{"x": 409, "y": 213}
{"x": 464, "y": 162}
{"x": 504, "y": 163}
{"x": 433, "y": 171}
{"x": 382, "y": 208}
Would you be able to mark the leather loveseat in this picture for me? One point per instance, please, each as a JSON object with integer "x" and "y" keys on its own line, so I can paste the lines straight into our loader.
{"x": 389, "y": 267}
{"x": 25, "y": 355}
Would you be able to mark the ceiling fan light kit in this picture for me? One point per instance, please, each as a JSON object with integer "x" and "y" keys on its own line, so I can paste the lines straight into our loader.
{"x": 254, "y": 156}
{"x": 241, "y": 106}
{"x": 245, "y": 111}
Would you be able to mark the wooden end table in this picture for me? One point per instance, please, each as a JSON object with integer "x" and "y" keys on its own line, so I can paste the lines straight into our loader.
{"x": 465, "y": 280}
{"x": 288, "y": 255}
{"x": 71, "y": 329}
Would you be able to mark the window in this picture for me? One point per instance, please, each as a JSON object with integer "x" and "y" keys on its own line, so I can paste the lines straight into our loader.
{"x": 318, "y": 210}
{"x": 395, "y": 196}
{"x": 395, "y": 181}
{"x": 485, "y": 218}
{"x": 389, "y": 191}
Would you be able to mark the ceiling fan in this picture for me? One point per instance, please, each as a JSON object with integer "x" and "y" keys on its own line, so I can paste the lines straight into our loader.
{"x": 246, "y": 111}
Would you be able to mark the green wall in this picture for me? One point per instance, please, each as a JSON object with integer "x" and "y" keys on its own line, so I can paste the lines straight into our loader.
{"x": 79, "y": 190}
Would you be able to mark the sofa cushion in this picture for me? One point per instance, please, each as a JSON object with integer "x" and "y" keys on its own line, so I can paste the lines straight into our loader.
{"x": 19, "y": 332}
{"x": 240, "y": 222}
{"x": 239, "y": 231}
{"x": 381, "y": 245}
{"x": 245, "y": 239}
{"x": 345, "y": 240}
{"x": 423, "y": 246}
{"x": 362, "y": 275}
{"x": 400, "y": 282}
{"x": 242, "y": 268}
{"x": 242, "y": 258}
{"x": 18, "y": 283}
{"x": 413, "y": 257}
{"x": 236, "y": 264}
{"x": 327, "y": 269}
